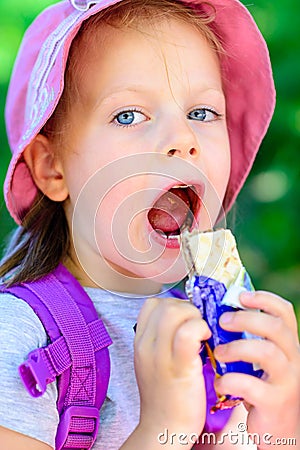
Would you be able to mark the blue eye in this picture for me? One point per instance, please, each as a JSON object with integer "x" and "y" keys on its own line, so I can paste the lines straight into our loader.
{"x": 203, "y": 115}
{"x": 127, "y": 118}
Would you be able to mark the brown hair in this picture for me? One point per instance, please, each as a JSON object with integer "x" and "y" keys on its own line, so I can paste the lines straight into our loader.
{"x": 43, "y": 240}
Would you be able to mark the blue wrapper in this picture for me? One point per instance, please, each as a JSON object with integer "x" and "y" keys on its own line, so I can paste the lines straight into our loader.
{"x": 212, "y": 299}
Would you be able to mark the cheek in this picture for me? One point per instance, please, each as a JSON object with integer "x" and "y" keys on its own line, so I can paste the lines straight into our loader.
{"x": 221, "y": 174}
{"x": 217, "y": 168}
{"x": 118, "y": 218}
{"x": 220, "y": 163}
{"x": 122, "y": 238}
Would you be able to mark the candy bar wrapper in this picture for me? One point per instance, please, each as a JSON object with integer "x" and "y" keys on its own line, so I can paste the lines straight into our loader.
{"x": 216, "y": 279}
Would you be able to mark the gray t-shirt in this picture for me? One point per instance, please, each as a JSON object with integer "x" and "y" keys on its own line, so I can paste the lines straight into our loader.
{"x": 21, "y": 332}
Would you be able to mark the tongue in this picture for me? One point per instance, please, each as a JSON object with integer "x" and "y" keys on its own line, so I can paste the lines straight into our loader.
{"x": 170, "y": 210}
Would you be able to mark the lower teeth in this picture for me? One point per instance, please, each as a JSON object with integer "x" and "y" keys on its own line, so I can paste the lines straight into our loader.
{"x": 168, "y": 236}
{"x": 161, "y": 233}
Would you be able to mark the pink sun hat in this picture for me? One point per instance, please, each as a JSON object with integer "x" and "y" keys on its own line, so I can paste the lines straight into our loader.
{"x": 37, "y": 84}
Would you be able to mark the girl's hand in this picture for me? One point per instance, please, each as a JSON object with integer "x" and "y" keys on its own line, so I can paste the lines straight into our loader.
{"x": 273, "y": 402}
{"x": 169, "y": 369}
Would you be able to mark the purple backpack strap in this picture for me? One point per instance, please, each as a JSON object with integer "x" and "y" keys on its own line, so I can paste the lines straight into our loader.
{"x": 214, "y": 422}
{"x": 77, "y": 355}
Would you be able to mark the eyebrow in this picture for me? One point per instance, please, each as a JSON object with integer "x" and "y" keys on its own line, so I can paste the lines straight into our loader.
{"x": 141, "y": 89}
{"x": 120, "y": 90}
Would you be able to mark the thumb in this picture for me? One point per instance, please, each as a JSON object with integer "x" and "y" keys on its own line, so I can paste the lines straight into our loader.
{"x": 188, "y": 340}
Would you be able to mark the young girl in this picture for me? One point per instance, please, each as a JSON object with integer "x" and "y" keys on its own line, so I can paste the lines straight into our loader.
{"x": 122, "y": 116}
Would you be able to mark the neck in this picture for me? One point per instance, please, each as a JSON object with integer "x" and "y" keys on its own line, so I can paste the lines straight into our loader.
{"x": 105, "y": 275}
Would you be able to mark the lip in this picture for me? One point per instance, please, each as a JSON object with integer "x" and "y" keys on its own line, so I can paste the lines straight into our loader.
{"x": 174, "y": 243}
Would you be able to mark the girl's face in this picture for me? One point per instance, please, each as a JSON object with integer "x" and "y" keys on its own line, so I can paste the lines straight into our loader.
{"x": 152, "y": 118}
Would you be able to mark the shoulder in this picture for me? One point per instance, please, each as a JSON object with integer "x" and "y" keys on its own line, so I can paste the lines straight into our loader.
{"x": 21, "y": 332}
{"x": 18, "y": 318}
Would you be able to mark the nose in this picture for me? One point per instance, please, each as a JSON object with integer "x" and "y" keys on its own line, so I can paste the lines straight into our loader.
{"x": 179, "y": 139}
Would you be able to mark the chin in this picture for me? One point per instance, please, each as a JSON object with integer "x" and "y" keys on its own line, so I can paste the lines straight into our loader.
{"x": 163, "y": 271}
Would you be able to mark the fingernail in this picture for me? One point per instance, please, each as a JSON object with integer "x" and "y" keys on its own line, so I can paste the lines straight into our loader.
{"x": 226, "y": 317}
{"x": 247, "y": 295}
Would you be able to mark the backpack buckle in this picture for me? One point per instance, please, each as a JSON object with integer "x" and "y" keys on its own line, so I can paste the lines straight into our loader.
{"x": 35, "y": 374}
{"x": 78, "y": 426}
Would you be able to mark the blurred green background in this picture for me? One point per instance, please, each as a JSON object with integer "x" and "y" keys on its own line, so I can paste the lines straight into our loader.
{"x": 267, "y": 214}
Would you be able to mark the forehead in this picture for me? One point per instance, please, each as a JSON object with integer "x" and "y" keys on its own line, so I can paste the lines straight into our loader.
{"x": 147, "y": 55}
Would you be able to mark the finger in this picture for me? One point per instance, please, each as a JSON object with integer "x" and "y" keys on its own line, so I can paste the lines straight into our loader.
{"x": 171, "y": 317}
{"x": 253, "y": 390}
{"x": 146, "y": 333}
{"x": 188, "y": 340}
{"x": 274, "y": 305}
{"x": 144, "y": 314}
{"x": 162, "y": 324}
{"x": 256, "y": 351}
{"x": 264, "y": 325}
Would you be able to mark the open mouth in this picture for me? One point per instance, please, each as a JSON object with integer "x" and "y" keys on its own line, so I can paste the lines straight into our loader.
{"x": 176, "y": 208}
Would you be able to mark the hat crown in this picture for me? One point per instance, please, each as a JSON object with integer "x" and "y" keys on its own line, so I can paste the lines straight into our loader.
{"x": 37, "y": 84}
